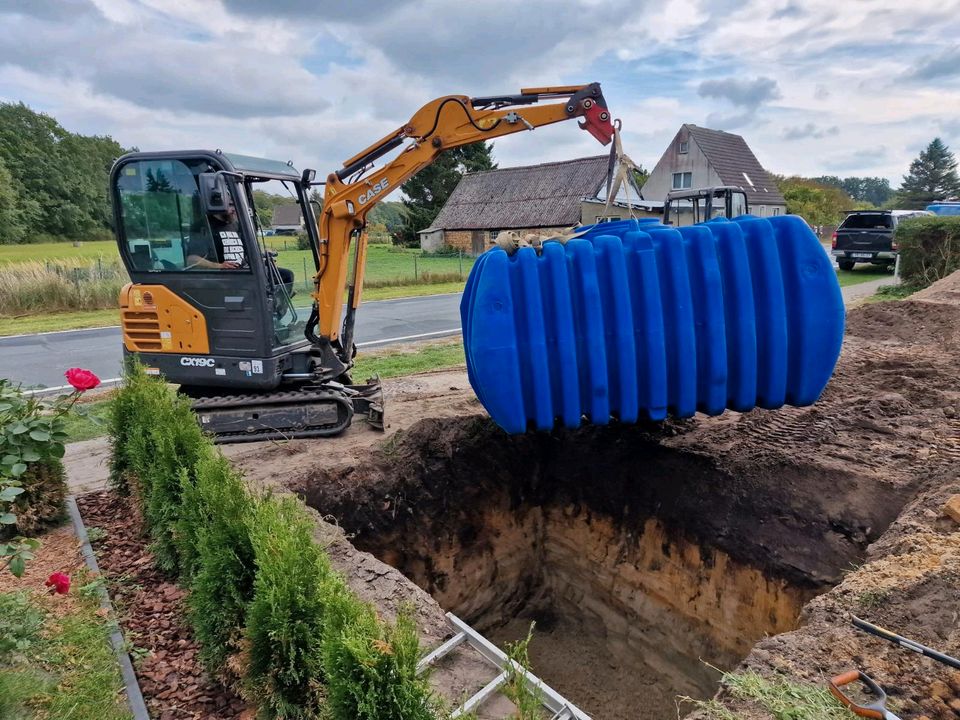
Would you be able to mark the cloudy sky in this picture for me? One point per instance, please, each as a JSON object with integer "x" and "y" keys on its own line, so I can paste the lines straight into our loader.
{"x": 847, "y": 87}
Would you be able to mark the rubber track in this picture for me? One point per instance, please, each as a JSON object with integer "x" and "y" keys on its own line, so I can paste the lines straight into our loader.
{"x": 209, "y": 404}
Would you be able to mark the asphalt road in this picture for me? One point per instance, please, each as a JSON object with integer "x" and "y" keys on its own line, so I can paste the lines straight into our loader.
{"x": 40, "y": 360}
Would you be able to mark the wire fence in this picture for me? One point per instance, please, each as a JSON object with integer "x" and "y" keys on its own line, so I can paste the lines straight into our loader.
{"x": 404, "y": 269}
{"x": 38, "y": 287}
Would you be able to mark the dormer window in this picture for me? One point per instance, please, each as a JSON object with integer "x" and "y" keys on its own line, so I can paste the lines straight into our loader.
{"x": 684, "y": 147}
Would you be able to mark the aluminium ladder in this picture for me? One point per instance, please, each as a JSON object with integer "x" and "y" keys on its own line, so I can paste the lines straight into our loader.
{"x": 561, "y": 708}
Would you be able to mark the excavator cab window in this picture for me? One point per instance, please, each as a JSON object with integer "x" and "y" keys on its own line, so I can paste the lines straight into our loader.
{"x": 164, "y": 226}
{"x": 288, "y": 322}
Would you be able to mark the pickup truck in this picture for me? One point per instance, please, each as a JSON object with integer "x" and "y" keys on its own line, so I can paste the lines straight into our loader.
{"x": 867, "y": 236}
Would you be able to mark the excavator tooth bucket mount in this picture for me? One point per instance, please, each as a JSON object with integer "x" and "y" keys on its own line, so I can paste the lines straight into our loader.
{"x": 587, "y": 101}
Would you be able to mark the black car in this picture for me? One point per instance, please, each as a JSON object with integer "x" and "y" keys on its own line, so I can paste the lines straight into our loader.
{"x": 867, "y": 236}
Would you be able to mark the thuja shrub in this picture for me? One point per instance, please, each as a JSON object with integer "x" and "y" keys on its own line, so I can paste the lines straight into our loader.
{"x": 217, "y": 552}
{"x": 371, "y": 666}
{"x": 929, "y": 249}
{"x": 285, "y": 620}
{"x": 262, "y": 592}
{"x": 124, "y": 423}
{"x": 161, "y": 443}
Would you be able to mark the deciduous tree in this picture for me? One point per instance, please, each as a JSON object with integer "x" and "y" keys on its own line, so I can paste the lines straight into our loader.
{"x": 816, "y": 203}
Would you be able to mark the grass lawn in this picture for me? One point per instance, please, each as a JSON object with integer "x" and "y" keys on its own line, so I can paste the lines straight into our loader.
{"x": 386, "y": 264}
{"x": 88, "y": 251}
{"x": 413, "y": 359}
{"x": 62, "y": 665}
{"x": 88, "y": 419}
{"x": 866, "y": 274}
{"x": 391, "y": 272}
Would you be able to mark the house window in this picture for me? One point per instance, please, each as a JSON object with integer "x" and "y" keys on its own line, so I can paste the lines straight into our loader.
{"x": 763, "y": 211}
{"x": 602, "y": 219}
{"x": 493, "y": 235}
{"x": 776, "y": 209}
{"x": 682, "y": 180}
{"x": 684, "y": 147}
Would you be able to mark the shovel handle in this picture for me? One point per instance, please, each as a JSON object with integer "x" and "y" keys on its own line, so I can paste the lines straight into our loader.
{"x": 850, "y": 676}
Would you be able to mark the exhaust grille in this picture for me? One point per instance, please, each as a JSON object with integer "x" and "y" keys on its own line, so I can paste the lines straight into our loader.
{"x": 142, "y": 329}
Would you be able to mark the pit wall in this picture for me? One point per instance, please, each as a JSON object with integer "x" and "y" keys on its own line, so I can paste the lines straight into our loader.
{"x": 654, "y": 595}
{"x": 670, "y": 556}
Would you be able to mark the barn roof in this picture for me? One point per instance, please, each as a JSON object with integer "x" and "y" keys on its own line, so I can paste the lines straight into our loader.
{"x": 546, "y": 195}
{"x": 736, "y": 164}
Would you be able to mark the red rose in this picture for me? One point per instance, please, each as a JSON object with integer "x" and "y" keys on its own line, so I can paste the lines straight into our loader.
{"x": 81, "y": 379}
{"x": 58, "y": 582}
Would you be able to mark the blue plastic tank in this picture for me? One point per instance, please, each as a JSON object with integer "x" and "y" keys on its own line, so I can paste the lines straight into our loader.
{"x": 636, "y": 320}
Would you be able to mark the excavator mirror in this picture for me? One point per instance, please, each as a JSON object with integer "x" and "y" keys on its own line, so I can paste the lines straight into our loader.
{"x": 214, "y": 195}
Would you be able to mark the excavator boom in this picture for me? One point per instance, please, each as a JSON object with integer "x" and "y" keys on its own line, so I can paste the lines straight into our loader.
{"x": 445, "y": 123}
{"x": 207, "y": 306}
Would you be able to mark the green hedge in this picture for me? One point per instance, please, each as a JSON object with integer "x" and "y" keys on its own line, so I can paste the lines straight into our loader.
{"x": 269, "y": 612}
{"x": 929, "y": 249}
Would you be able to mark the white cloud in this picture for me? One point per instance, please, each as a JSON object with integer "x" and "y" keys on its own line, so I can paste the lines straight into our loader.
{"x": 812, "y": 85}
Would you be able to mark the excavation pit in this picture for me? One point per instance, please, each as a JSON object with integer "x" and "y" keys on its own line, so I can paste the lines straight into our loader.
{"x": 643, "y": 563}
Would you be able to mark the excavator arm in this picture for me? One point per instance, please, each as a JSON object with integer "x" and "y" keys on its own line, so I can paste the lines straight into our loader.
{"x": 442, "y": 124}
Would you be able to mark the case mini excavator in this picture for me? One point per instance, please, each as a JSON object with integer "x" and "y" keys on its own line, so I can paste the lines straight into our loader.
{"x": 207, "y": 306}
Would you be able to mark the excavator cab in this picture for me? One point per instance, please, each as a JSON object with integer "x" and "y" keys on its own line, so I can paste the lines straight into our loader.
{"x": 207, "y": 306}
{"x": 689, "y": 207}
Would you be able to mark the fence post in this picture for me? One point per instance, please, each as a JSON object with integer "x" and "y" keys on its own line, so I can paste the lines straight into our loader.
{"x": 100, "y": 267}
{"x": 416, "y": 275}
{"x": 460, "y": 253}
{"x": 305, "y": 285}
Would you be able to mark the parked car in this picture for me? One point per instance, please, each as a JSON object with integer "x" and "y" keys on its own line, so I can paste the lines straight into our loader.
{"x": 867, "y": 236}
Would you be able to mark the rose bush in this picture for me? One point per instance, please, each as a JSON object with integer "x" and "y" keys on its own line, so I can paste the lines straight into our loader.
{"x": 81, "y": 380}
{"x": 59, "y": 583}
{"x": 32, "y": 480}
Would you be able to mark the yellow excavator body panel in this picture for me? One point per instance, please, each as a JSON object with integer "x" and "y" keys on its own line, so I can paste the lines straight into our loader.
{"x": 155, "y": 319}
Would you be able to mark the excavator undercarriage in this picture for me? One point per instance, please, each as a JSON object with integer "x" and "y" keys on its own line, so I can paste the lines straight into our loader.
{"x": 307, "y": 411}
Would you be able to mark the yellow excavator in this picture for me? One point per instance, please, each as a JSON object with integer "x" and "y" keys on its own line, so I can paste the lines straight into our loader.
{"x": 208, "y": 307}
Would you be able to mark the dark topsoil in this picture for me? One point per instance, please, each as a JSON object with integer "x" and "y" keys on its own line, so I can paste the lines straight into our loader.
{"x": 846, "y": 493}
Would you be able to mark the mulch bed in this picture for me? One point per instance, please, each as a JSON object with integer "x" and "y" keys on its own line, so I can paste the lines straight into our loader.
{"x": 151, "y": 611}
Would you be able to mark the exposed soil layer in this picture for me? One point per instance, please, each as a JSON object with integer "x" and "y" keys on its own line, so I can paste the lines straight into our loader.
{"x": 799, "y": 499}
{"x": 151, "y": 612}
{"x": 646, "y": 556}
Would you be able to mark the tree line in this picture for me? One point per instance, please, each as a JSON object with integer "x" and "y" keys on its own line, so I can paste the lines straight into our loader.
{"x": 823, "y": 200}
{"x": 53, "y": 183}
